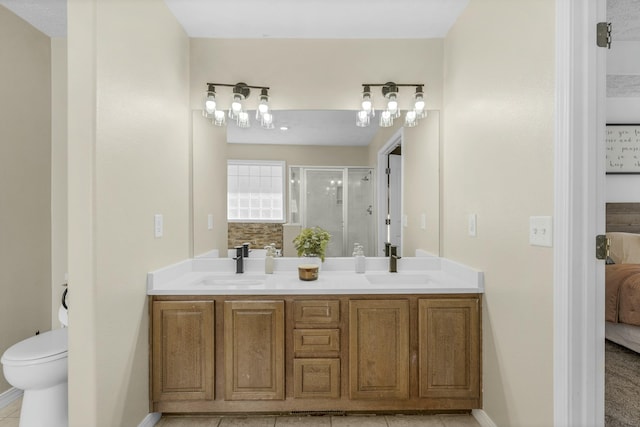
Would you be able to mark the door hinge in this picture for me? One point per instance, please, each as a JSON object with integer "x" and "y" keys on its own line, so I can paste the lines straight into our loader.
{"x": 387, "y": 171}
{"x": 603, "y": 34}
{"x": 602, "y": 246}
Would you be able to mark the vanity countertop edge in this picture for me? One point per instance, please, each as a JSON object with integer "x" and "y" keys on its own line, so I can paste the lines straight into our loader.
{"x": 216, "y": 276}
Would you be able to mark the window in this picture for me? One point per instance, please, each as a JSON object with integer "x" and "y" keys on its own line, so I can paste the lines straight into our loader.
{"x": 255, "y": 191}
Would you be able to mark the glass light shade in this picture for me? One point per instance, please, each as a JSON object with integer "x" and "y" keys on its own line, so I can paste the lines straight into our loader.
{"x": 367, "y": 104}
{"x": 236, "y": 107}
{"x": 386, "y": 119}
{"x": 263, "y": 107}
{"x": 219, "y": 118}
{"x": 362, "y": 119}
{"x": 243, "y": 119}
{"x": 419, "y": 106}
{"x": 210, "y": 103}
{"x": 209, "y": 107}
{"x": 392, "y": 106}
{"x": 410, "y": 119}
{"x": 267, "y": 121}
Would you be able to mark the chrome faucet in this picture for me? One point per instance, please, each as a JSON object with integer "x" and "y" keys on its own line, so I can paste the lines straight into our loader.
{"x": 239, "y": 260}
{"x": 393, "y": 259}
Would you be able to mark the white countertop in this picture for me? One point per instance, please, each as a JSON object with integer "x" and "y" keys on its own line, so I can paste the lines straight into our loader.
{"x": 216, "y": 276}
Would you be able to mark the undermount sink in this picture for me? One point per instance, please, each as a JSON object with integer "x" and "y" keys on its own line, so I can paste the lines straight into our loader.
{"x": 234, "y": 280}
{"x": 398, "y": 279}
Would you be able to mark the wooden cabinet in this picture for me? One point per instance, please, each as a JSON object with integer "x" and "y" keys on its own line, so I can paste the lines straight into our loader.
{"x": 449, "y": 348}
{"x": 379, "y": 349}
{"x": 316, "y": 349}
{"x": 182, "y": 353}
{"x": 315, "y": 353}
{"x": 254, "y": 350}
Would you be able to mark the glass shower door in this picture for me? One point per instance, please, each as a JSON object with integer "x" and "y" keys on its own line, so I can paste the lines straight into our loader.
{"x": 360, "y": 218}
{"x": 324, "y": 205}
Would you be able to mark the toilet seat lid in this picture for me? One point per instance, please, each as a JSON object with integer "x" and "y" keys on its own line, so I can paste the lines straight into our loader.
{"x": 47, "y": 346}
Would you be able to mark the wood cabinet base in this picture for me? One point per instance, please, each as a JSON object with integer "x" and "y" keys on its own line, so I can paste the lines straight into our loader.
{"x": 316, "y": 353}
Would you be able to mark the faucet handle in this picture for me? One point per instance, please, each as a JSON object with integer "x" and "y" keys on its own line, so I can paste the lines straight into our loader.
{"x": 239, "y": 252}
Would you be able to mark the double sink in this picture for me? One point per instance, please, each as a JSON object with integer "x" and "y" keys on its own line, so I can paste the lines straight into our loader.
{"x": 254, "y": 280}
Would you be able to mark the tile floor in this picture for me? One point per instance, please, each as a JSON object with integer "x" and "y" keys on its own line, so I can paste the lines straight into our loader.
{"x": 9, "y": 415}
{"x": 322, "y": 421}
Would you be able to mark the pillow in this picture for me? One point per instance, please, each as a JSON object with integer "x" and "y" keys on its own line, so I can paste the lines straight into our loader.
{"x": 625, "y": 247}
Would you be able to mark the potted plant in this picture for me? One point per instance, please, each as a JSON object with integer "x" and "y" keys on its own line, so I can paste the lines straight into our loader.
{"x": 311, "y": 242}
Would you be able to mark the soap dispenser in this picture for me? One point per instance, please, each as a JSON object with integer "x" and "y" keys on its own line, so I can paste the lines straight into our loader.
{"x": 268, "y": 259}
{"x": 358, "y": 255}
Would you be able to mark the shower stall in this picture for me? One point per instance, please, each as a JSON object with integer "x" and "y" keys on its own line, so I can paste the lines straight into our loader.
{"x": 338, "y": 199}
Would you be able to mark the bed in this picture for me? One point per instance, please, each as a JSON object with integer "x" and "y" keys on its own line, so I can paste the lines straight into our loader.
{"x": 622, "y": 292}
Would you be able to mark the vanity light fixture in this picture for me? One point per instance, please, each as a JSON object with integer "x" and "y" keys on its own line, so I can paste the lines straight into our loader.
{"x": 392, "y": 111}
{"x": 237, "y": 112}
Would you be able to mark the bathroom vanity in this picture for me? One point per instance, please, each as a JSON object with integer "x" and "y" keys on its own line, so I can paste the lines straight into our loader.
{"x": 389, "y": 342}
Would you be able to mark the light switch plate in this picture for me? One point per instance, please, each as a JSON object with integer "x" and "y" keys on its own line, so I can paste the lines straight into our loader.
{"x": 473, "y": 225}
{"x": 158, "y": 226}
{"x": 210, "y": 222}
{"x": 541, "y": 231}
{"x": 405, "y": 221}
{"x": 423, "y": 221}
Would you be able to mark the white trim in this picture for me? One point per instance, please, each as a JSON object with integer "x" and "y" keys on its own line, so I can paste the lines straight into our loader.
{"x": 9, "y": 396}
{"x": 579, "y": 216}
{"x": 150, "y": 420}
{"x": 482, "y": 418}
{"x": 381, "y": 228}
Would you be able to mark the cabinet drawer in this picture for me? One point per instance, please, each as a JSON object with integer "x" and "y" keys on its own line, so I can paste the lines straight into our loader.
{"x": 316, "y": 342}
{"x": 321, "y": 313}
{"x": 316, "y": 378}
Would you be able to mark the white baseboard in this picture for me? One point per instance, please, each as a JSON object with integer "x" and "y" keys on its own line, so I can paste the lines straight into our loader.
{"x": 150, "y": 420}
{"x": 482, "y": 418}
{"x": 9, "y": 396}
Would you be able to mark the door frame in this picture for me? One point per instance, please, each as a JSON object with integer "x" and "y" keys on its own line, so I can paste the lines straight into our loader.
{"x": 579, "y": 215}
{"x": 388, "y": 147}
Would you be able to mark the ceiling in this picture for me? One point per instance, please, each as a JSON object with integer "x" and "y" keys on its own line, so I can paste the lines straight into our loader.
{"x": 331, "y": 19}
{"x": 306, "y": 127}
{"x": 313, "y": 19}
{"x": 321, "y": 19}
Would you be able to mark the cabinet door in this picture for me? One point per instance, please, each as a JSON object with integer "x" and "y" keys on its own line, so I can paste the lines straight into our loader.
{"x": 254, "y": 350}
{"x": 183, "y": 341}
{"x": 379, "y": 349}
{"x": 449, "y": 347}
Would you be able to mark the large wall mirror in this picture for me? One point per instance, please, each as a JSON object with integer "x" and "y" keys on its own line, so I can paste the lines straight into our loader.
{"x": 335, "y": 177}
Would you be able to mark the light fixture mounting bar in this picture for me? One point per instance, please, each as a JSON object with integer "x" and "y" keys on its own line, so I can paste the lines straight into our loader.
{"x": 393, "y": 84}
{"x": 239, "y": 84}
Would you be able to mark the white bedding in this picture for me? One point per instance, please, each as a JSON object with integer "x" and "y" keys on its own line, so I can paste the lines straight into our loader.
{"x": 623, "y": 334}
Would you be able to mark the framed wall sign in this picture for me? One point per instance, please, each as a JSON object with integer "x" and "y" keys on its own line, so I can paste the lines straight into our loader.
{"x": 623, "y": 149}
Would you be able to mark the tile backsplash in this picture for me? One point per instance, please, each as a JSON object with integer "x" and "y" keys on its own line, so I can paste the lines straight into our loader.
{"x": 258, "y": 234}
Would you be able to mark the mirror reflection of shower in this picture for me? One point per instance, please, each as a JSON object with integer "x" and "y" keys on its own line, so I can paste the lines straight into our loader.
{"x": 338, "y": 199}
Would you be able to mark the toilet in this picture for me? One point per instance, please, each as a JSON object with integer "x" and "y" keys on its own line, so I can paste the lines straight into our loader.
{"x": 38, "y": 365}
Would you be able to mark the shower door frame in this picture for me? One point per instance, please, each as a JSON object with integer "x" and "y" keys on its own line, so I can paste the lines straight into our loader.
{"x": 345, "y": 198}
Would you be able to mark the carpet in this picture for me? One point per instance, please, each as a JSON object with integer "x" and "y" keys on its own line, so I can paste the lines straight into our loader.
{"x": 621, "y": 386}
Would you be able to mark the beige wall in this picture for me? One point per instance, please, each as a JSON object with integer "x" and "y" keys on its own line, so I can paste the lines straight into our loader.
{"x": 25, "y": 181}
{"x": 58, "y": 174}
{"x": 129, "y": 128}
{"x": 421, "y": 186}
{"x": 317, "y": 74}
{"x": 498, "y": 163}
{"x": 303, "y": 74}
